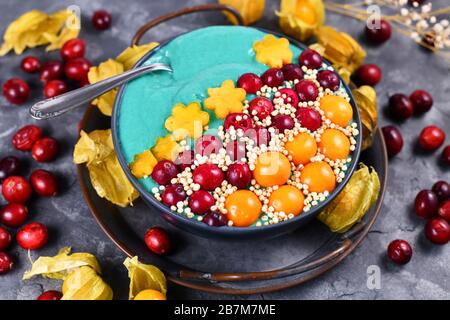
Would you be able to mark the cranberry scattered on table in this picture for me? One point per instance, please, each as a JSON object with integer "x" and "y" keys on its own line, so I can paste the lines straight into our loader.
{"x": 32, "y": 236}
{"x": 5, "y": 239}
{"x": 6, "y": 262}
{"x": 51, "y": 70}
{"x": 16, "y": 189}
{"x": 393, "y": 139}
{"x": 54, "y": 88}
{"x": 72, "y": 49}
{"x": 13, "y": 215}
{"x": 399, "y": 251}
{"x": 422, "y": 101}
{"x": 50, "y": 295}
{"x": 437, "y": 230}
{"x": 9, "y": 166}
{"x": 101, "y": 19}
{"x": 426, "y": 204}
{"x": 368, "y": 74}
{"x": 16, "y": 90}
{"x": 45, "y": 149}
{"x": 26, "y": 137}
{"x": 401, "y": 106}
{"x": 44, "y": 183}
{"x": 379, "y": 33}
{"x": 30, "y": 64}
{"x": 431, "y": 138}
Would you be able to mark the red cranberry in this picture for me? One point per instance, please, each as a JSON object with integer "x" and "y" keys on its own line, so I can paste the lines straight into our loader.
{"x": 32, "y": 236}
{"x": 236, "y": 150}
{"x": 400, "y": 106}
{"x": 421, "y": 100}
{"x": 173, "y": 194}
{"x": 13, "y": 215}
{"x": 309, "y": 118}
{"x": 426, "y": 204}
{"x": 16, "y": 91}
{"x": 25, "y": 137}
{"x": 51, "y": 70}
{"x": 215, "y": 219}
{"x": 379, "y": 34}
{"x": 9, "y": 166}
{"x": 307, "y": 90}
{"x": 238, "y": 121}
{"x": 5, "y": 238}
{"x": 6, "y": 263}
{"x": 437, "y": 230}
{"x": 77, "y": 69}
{"x": 368, "y": 74}
{"x": 446, "y": 155}
{"x": 260, "y": 107}
{"x": 250, "y": 82}
{"x": 101, "y": 19}
{"x": 399, "y": 251}
{"x": 273, "y": 77}
{"x": 444, "y": 211}
{"x": 260, "y": 135}
{"x": 310, "y": 59}
{"x": 289, "y": 96}
{"x": 239, "y": 175}
{"x": 50, "y": 295}
{"x": 328, "y": 80}
{"x": 207, "y": 145}
{"x": 201, "y": 202}
{"x": 72, "y": 49}
{"x": 16, "y": 189}
{"x": 54, "y": 88}
{"x": 185, "y": 159}
{"x": 431, "y": 138}
{"x": 393, "y": 139}
{"x": 44, "y": 183}
{"x": 157, "y": 240}
{"x": 416, "y": 2}
{"x": 283, "y": 122}
{"x": 292, "y": 72}
{"x": 45, "y": 149}
{"x": 208, "y": 176}
{"x": 442, "y": 190}
{"x": 30, "y": 64}
{"x": 164, "y": 171}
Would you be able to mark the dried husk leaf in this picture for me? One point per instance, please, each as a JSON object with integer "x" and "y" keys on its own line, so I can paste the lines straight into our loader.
{"x": 297, "y": 28}
{"x": 144, "y": 276}
{"x": 131, "y": 55}
{"x": 340, "y": 49}
{"x": 36, "y": 28}
{"x": 107, "y": 177}
{"x": 366, "y": 100}
{"x": 250, "y": 10}
{"x": 105, "y": 70}
{"x": 57, "y": 267}
{"x": 85, "y": 284}
{"x": 350, "y": 206}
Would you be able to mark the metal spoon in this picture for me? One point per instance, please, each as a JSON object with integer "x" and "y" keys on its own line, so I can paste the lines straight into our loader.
{"x": 58, "y": 105}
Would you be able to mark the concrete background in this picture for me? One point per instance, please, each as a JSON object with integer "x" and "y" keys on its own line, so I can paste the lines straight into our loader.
{"x": 406, "y": 67}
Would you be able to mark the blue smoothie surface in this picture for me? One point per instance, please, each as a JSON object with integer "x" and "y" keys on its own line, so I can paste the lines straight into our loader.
{"x": 200, "y": 60}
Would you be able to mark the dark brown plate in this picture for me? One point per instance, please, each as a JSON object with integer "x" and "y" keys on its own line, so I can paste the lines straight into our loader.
{"x": 225, "y": 266}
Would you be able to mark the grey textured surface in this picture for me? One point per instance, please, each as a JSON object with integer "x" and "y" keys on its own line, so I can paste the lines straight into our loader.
{"x": 405, "y": 66}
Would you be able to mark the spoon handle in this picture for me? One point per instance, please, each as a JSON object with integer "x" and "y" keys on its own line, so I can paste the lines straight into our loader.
{"x": 58, "y": 105}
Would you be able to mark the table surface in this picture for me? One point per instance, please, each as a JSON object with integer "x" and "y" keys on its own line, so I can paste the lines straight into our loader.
{"x": 406, "y": 67}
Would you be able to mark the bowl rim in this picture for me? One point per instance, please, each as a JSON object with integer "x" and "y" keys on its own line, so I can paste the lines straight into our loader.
{"x": 227, "y": 230}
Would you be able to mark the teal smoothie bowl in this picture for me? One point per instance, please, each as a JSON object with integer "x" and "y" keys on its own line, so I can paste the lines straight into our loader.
{"x": 200, "y": 60}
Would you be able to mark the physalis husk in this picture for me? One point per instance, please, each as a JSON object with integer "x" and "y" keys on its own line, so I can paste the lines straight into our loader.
{"x": 366, "y": 100}
{"x": 124, "y": 61}
{"x": 350, "y": 206}
{"x": 36, "y": 28}
{"x": 340, "y": 49}
{"x": 105, "y": 70}
{"x": 143, "y": 164}
{"x": 187, "y": 120}
{"x": 131, "y": 55}
{"x": 250, "y": 10}
{"x": 301, "y": 18}
{"x": 59, "y": 266}
{"x": 143, "y": 277}
{"x": 84, "y": 283}
{"x": 107, "y": 177}
{"x": 273, "y": 51}
{"x": 226, "y": 99}
{"x": 166, "y": 148}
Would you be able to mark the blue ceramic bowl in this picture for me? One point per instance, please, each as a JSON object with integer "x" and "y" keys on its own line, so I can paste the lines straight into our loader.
{"x": 192, "y": 225}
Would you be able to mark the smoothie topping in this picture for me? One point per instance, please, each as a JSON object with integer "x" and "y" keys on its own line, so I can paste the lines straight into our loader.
{"x": 226, "y": 99}
{"x": 273, "y": 52}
